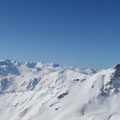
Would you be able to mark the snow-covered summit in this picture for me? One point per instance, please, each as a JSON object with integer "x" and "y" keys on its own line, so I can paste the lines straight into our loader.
{"x": 39, "y": 91}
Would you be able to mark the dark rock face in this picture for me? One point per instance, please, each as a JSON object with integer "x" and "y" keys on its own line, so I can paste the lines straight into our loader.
{"x": 115, "y": 79}
{"x": 62, "y": 95}
{"x": 33, "y": 84}
{"x": 5, "y": 83}
{"x": 113, "y": 85}
{"x": 117, "y": 72}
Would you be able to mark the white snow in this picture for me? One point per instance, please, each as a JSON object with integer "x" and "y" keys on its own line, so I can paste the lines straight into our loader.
{"x": 38, "y": 91}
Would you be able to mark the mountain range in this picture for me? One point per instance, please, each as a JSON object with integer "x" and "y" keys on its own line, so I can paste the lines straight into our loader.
{"x": 39, "y": 91}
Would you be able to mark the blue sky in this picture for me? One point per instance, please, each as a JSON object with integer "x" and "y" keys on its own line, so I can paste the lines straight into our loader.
{"x": 82, "y": 33}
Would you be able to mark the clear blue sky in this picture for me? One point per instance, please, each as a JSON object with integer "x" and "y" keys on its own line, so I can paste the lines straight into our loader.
{"x": 82, "y": 33}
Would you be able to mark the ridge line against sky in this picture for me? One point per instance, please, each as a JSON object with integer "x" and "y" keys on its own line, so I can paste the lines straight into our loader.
{"x": 80, "y": 33}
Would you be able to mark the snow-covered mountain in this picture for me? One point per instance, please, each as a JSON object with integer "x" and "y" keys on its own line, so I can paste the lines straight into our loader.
{"x": 38, "y": 91}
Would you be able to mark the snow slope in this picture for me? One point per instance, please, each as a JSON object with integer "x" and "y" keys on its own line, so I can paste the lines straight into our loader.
{"x": 38, "y": 91}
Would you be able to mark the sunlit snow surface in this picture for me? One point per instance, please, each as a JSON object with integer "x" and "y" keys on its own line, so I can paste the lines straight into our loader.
{"x": 38, "y": 91}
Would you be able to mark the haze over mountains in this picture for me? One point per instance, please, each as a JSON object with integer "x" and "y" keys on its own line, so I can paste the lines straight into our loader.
{"x": 38, "y": 91}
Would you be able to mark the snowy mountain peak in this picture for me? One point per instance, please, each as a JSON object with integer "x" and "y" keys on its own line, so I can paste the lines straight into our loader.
{"x": 117, "y": 66}
{"x": 38, "y": 91}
